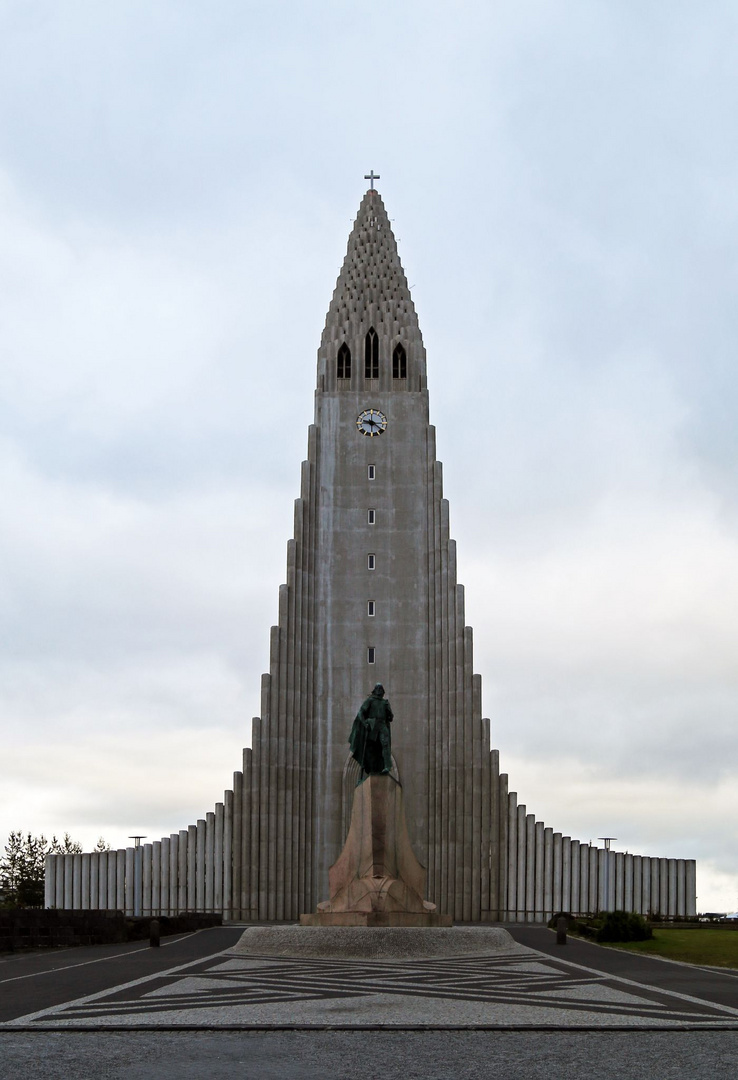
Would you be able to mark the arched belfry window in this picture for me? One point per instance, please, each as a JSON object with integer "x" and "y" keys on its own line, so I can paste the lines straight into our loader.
{"x": 343, "y": 362}
{"x": 399, "y": 362}
{"x": 371, "y": 355}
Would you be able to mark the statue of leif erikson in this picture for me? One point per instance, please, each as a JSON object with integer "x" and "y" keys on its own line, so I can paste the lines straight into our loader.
{"x": 370, "y": 740}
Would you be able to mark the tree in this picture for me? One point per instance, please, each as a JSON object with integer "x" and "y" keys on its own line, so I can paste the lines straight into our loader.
{"x": 65, "y": 846}
{"x": 22, "y": 870}
{"x": 22, "y": 866}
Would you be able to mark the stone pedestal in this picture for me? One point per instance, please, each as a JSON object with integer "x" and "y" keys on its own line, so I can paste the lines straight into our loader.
{"x": 377, "y": 880}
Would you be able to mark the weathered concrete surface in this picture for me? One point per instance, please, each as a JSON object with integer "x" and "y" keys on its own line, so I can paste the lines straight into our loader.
{"x": 376, "y": 943}
{"x": 461, "y": 1055}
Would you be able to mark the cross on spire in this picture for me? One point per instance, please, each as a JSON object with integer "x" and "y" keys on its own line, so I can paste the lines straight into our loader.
{"x": 371, "y": 177}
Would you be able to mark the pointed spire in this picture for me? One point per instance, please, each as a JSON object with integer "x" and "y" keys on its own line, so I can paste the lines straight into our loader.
{"x": 372, "y": 289}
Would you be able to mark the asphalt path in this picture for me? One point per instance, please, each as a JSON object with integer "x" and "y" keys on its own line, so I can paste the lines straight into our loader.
{"x": 706, "y": 983}
{"x": 33, "y": 981}
{"x": 346, "y": 1055}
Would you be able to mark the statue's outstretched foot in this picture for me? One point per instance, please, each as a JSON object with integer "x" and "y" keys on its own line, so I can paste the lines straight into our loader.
{"x": 385, "y": 772}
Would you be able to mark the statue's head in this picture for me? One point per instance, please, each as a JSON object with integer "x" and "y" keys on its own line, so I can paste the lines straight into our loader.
{"x": 378, "y": 690}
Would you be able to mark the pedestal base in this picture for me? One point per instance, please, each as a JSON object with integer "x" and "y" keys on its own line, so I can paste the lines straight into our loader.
{"x": 376, "y": 918}
{"x": 377, "y": 880}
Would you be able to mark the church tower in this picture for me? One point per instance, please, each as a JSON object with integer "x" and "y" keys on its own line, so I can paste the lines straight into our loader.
{"x": 372, "y": 589}
{"x": 371, "y": 596}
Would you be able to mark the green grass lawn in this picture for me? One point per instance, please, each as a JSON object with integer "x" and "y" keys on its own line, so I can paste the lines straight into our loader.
{"x": 716, "y": 947}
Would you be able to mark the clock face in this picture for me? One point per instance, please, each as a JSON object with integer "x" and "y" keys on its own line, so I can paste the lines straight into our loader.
{"x": 371, "y": 422}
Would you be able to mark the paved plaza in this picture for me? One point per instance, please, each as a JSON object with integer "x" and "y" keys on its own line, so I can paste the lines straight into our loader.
{"x": 210, "y": 1004}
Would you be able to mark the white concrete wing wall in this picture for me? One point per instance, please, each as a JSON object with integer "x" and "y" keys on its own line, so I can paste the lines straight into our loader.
{"x": 534, "y": 872}
{"x": 196, "y": 869}
{"x": 546, "y": 873}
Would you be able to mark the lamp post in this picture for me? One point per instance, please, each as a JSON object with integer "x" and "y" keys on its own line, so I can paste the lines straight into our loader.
{"x": 607, "y": 841}
{"x": 137, "y": 873}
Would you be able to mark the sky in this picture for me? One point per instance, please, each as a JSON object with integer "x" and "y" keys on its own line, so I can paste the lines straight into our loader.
{"x": 177, "y": 186}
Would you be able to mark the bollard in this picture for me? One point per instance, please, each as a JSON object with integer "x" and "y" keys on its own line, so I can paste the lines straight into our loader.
{"x": 561, "y": 925}
{"x": 154, "y": 933}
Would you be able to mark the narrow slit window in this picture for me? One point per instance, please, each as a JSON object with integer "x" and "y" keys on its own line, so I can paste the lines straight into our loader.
{"x": 371, "y": 355}
{"x": 343, "y": 362}
{"x": 371, "y": 562}
{"x": 371, "y": 654}
{"x": 371, "y": 516}
{"x": 399, "y": 362}
{"x": 370, "y": 610}
{"x": 371, "y": 472}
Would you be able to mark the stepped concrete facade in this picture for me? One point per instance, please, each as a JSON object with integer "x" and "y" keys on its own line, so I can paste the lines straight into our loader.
{"x": 371, "y": 596}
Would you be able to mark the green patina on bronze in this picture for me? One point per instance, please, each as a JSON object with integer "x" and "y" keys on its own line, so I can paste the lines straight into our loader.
{"x": 370, "y": 739}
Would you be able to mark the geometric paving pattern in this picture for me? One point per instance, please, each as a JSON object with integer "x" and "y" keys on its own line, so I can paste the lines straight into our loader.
{"x": 531, "y": 989}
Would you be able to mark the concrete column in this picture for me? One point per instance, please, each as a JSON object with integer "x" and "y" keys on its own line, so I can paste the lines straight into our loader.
{"x": 565, "y": 873}
{"x": 200, "y": 891}
{"x": 50, "y": 881}
{"x": 147, "y": 860}
{"x": 664, "y": 885}
{"x": 209, "y": 858}
{"x": 59, "y": 865}
{"x": 166, "y": 893}
{"x": 548, "y": 873}
{"x": 628, "y": 883}
{"x": 520, "y": 863}
{"x": 218, "y": 861}
{"x": 245, "y": 894}
{"x": 530, "y": 867}
{"x": 681, "y": 876}
{"x": 237, "y": 858}
{"x": 77, "y": 881}
{"x": 557, "y": 871}
{"x": 68, "y": 882}
{"x": 192, "y": 867}
{"x": 645, "y": 885}
{"x": 112, "y": 880}
{"x": 671, "y": 868}
{"x": 258, "y": 826}
{"x": 594, "y": 881}
{"x": 156, "y": 878}
{"x": 228, "y": 858}
{"x": 656, "y": 897}
{"x": 102, "y": 881}
{"x": 501, "y": 853}
{"x": 174, "y": 872}
{"x": 490, "y": 828}
{"x": 638, "y": 884}
{"x": 94, "y": 880}
{"x": 617, "y": 865}
{"x": 138, "y": 880}
{"x": 603, "y": 882}
{"x": 690, "y": 869}
{"x": 512, "y": 856}
{"x": 182, "y": 871}
{"x": 539, "y": 886}
{"x": 584, "y": 879}
{"x": 575, "y": 876}
{"x": 130, "y": 890}
{"x": 121, "y": 860}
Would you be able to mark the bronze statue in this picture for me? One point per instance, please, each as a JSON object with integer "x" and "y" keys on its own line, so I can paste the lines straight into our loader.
{"x": 370, "y": 740}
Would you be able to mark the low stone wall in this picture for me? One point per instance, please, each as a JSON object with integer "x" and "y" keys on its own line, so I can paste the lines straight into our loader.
{"x": 33, "y": 928}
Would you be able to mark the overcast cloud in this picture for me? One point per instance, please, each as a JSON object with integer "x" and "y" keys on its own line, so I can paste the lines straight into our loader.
{"x": 177, "y": 184}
